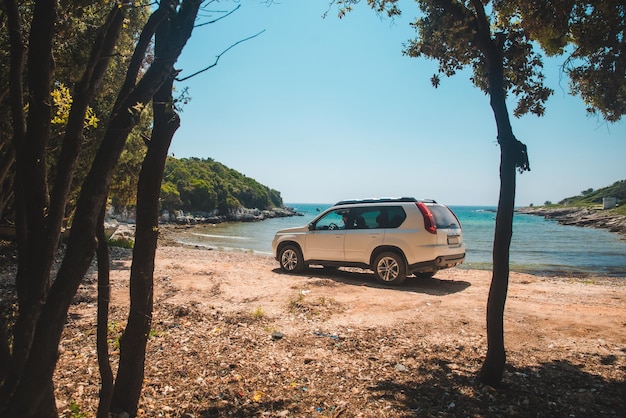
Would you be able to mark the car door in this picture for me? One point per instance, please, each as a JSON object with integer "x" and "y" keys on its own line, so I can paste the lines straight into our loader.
{"x": 366, "y": 235}
{"x": 325, "y": 239}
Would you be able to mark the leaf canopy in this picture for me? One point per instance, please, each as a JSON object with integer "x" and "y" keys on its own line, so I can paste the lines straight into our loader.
{"x": 589, "y": 34}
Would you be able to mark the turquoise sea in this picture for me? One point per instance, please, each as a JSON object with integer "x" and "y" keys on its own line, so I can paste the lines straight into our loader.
{"x": 539, "y": 246}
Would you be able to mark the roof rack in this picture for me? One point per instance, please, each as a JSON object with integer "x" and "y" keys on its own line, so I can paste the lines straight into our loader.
{"x": 379, "y": 200}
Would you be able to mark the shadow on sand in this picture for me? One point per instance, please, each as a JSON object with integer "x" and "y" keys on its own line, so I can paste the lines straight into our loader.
{"x": 357, "y": 277}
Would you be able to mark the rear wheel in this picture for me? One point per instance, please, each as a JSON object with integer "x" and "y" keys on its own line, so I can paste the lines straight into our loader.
{"x": 390, "y": 268}
{"x": 290, "y": 259}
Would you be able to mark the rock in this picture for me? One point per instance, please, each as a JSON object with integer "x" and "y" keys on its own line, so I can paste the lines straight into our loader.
{"x": 400, "y": 367}
{"x": 584, "y": 217}
{"x": 276, "y": 335}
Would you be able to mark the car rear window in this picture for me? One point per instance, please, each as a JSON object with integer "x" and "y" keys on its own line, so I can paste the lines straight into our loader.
{"x": 444, "y": 218}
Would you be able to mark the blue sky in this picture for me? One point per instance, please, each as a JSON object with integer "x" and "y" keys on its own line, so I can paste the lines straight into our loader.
{"x": 328, "y": 109}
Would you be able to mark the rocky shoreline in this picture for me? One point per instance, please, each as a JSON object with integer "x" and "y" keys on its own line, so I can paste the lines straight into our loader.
{"x": 239, "y": 215}
{"x": 579, "y": 216}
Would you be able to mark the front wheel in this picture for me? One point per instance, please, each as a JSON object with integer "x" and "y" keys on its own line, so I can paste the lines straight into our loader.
{"x": 290, "y": 258}
{"x": 390, "y": 268}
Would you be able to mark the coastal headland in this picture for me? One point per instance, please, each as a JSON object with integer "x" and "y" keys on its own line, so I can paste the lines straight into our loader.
{"x": 581, "y": 216}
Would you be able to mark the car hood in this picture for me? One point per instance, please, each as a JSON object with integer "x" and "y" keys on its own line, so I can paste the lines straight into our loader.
{"x": 293, "y": 230}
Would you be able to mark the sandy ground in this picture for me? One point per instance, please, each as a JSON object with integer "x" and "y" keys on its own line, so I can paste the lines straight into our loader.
{"x": 555, "y": 312}
{"x": 234, "y": 336}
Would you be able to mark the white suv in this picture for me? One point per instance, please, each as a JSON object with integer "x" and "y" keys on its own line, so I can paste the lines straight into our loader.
{"x": 393, "y": 237}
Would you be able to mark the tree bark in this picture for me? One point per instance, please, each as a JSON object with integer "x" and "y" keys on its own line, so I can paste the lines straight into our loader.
{"x": 102, "y": 344}
{"x": 30, "y": 186}
{"x": 510, "y": 149}
{"x": 133, "y": 344}
{"x": 9, "y": 373}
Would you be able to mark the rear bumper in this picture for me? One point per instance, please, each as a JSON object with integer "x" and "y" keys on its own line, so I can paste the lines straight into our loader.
{"x": 439, "y": 263}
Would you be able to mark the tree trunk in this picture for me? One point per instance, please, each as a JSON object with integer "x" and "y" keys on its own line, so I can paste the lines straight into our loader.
{"x": 30, "y": 188}
{"x": 102, "y": 344}
{"x": 493, "y": 367}
{"x": 130, "y": 374}
{"x": 495, "y": 360}
{"x": 133, "y": 344}
{"x": 9, "y": 373}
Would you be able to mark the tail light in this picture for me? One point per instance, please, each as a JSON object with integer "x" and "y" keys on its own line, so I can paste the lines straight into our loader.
{"x": 429, "y": 219}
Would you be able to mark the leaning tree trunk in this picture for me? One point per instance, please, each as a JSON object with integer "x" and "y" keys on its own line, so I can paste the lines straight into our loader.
{"x": 512, "y": 155}
{"x": 102, "y": 344}
{"x": 31, "y": 135}
{"x": 133, "y": 343}
{"x": 8, "y": 369}
{"x": 130, "y": 374}
{"x": 39, "y": 217}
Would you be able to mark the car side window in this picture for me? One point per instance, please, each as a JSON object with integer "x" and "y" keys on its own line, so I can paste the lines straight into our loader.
{"x": 397, "y": 217}
{"x": 366, "y": 218}
{"x": 390, "y": 217}
{"x": 331, "y": 221}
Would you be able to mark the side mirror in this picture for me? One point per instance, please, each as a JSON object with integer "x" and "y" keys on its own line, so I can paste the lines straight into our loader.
{"x": 311, "y": 226}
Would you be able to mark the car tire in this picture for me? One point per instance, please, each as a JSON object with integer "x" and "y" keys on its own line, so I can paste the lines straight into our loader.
{"x": 389, "y": 268}
{"x": 290, "y": 258}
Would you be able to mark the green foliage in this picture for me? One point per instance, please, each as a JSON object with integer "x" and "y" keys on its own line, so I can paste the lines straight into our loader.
{"x": 124, "y": 184}
{"x": 122, "y": 242}
{"x": 75, "y": 411}
{"x": 591, "y": 36}
{"x": 590, "y": 197}
{"x": 170, "y": 196}
{"x": 76, "y": 27}
{"x": 258, "y": 313}
{"x": 202, "y": 185}
{"x": 597, "y": 67}
{"x": 451, "y": 32}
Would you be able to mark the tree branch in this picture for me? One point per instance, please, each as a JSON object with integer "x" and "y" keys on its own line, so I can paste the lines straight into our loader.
{"x": 219, "y": 18}
{"x": 219, "y": 56}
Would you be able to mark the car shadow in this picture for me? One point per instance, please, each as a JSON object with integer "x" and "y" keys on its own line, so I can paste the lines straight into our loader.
{"x": 357, "y": 277}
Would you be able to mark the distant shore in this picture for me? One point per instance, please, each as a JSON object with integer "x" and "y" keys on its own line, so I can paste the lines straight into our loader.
{"x": 239, "y": 215}
{"x": 585, "y": 217}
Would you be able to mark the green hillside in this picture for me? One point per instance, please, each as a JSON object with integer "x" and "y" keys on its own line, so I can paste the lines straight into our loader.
{"x": 592, "y": 197}
{"x": 202, "y": 185}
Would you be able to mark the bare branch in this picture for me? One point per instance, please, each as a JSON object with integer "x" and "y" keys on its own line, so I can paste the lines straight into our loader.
{"x": 219, "y": 56}
{"x": 219, "y": 18}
